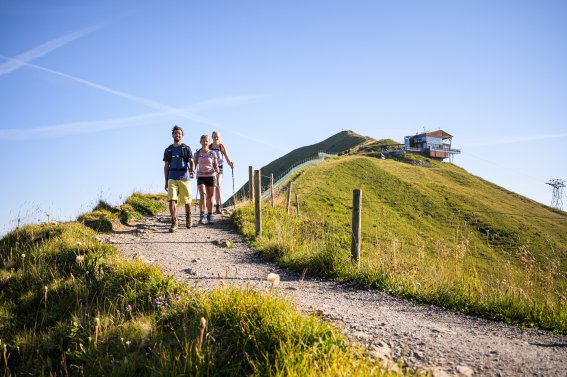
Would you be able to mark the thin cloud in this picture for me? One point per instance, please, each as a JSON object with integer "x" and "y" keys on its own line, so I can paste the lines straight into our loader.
{"x": 140, "y": 100}
{"x": 23, "y": 59}
{"x": 518, "y": 139}
{"x": 75, "y": 128}
{"x": 164, "y": 109}
{"x": 185, "y": 113}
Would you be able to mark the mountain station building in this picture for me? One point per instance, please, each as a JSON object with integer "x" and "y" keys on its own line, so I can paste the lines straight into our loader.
{"x": 434, "y": 144}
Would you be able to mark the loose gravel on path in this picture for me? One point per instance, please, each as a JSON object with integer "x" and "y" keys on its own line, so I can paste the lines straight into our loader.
{"x": 423, "y": 337}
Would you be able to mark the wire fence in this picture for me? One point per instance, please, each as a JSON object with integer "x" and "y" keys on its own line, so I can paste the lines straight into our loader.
{"x": 283, "y": 177}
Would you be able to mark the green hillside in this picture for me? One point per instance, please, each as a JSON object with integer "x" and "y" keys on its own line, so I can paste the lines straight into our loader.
{"x": 430, "y": 230}
{"x": 338, "y": 143}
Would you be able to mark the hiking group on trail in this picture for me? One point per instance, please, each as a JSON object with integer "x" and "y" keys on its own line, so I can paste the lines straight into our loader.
{"x": 180, "y": 164}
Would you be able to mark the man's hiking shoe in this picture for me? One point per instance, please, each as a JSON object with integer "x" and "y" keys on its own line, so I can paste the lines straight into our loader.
{"x": 188, "y": 221}
{"x": 173, "y": 226}
{"x": 210, "y": 219}
{"x": 202, "y": 218}
{"x": 218, "y": 210}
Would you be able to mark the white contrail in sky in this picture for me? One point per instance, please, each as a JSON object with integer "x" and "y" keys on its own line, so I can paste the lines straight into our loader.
{"x": 73, "y": 128}
{"x": 22, "y": 59}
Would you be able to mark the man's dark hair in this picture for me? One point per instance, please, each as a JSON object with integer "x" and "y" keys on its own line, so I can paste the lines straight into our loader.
{"x": 175, "y": 128}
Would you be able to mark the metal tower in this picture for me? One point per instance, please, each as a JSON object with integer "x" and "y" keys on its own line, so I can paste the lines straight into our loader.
{"x": 557, "y": 196}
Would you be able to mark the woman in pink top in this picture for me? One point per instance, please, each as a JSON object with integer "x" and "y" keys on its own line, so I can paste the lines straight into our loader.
{"x": 207, "y": 170}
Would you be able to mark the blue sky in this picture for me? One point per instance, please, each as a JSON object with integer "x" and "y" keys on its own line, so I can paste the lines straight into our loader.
{"x": 90, "y": 90}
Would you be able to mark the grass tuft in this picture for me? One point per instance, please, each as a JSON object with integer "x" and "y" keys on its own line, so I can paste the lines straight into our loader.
{"x": 104, "y": 218}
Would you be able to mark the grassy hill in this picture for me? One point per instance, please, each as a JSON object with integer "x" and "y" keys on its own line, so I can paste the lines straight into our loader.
{"x": 339, "y": 143}
{"x": 431, "y": 231}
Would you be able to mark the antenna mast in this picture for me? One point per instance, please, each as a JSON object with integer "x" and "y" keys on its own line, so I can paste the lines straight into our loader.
{"x": 557, "y": 196}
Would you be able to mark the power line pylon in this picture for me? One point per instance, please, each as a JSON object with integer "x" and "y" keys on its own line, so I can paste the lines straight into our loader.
{"x": 557, "y": 196}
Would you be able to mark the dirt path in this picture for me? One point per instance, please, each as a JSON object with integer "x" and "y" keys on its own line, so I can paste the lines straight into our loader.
{"x": 424, "y": 337}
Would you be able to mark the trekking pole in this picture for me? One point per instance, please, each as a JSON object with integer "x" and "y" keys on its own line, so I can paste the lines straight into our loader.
{"x": 233, "y": 194}
{"x": 196, "y": 197}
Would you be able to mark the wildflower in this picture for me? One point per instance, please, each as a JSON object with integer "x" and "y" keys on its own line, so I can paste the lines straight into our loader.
{"x": 159, "y": 302}
{"x": 177, "y": 298}
{"x": 417, "y": 283}
{"x": 23, "y": 256}
{"x": 274, "y": 279}
{"x": 79, "y": 259}
{"x": 78, "y": 243}
{"x": 128, "y": 308}
{"x": 128, "y": 343}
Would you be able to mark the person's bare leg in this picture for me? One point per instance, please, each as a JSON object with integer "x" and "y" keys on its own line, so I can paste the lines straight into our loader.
{"x": 218, "y": 194}
{"x": 188, "y": 215}
{"x": 210, "y": 196}
{"x": 202, "y": 199}
{"x": 173, "y": 213}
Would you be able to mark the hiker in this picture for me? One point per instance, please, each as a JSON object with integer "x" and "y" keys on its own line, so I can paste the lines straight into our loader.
{"x": 207, "y": 171}
{"x": 220, "y": 152}
{"x": 178, "y": 168}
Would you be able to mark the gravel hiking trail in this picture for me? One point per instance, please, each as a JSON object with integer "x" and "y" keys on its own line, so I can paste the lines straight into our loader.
{"x": 420, "y": 337}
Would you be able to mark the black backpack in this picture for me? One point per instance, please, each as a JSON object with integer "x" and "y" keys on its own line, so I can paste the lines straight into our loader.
{"x": 184, "y": 153}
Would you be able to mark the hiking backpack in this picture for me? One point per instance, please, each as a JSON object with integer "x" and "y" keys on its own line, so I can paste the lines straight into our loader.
{"x": 220, "y": 157}
{"x": 184, "y": 154}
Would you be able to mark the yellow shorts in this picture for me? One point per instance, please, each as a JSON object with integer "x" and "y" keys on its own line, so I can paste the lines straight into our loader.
{"x": 179, "y": 191}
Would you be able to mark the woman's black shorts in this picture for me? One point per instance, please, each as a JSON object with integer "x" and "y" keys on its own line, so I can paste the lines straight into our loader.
{"x": 207, "y": 181}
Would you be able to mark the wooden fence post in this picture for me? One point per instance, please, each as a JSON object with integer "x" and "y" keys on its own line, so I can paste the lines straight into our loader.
{"x": 251, "y": 183}
{"x": 272, "y": 188}
{"x": 296, "y": 205}
{"x": 356, "y": 225}
{"x": 258, "y": 202}
{"x": 288, "y": 204}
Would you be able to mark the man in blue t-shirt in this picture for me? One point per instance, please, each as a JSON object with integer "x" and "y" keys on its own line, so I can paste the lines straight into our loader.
{"x": 178, "y": 168}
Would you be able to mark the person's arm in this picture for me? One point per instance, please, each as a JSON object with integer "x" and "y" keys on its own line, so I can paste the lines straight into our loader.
{"x": 166, "y": 172}
{"x": 191, "y": 168}
{"x": 215, "y": 163}
{"x": 227, "y": 158}
{"x": 194, "y": 162}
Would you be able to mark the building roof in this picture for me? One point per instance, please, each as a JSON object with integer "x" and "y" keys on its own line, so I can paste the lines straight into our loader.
{"x": 439, "y": 134}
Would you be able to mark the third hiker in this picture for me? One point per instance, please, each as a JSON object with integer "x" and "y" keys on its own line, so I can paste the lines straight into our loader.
{"x": 221, "y": 153}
